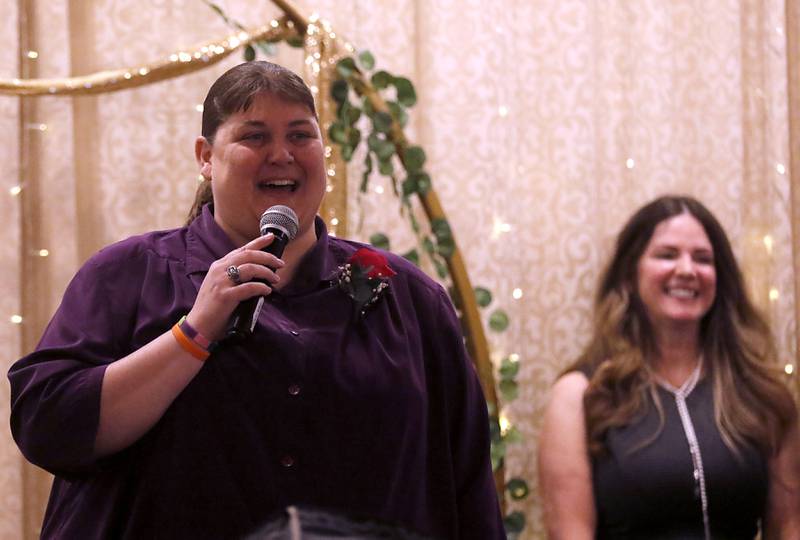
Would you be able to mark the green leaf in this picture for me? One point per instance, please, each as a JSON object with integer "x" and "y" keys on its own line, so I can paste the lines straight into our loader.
{"x": 366, "y": 60}
{"x": 413, "y": 158}
{"x": 406, "y": 95}
{"x": 382, "y": 121}
{"x": 512, "y": 436}
{"x": 498, "y": 321}
{"x": 514, "y": 522}
{"x": 409, "y": 186}
{"x": 367, "y": 106}
{"x": 441, "y": 268}
{"x": 367, "y": 171}
{"x": 508, "y": 368}
{"x": 380, "y": 241}
{"x": 353, "y": 137}
{"x": 346, "y": 151}
{"x": 423, "y": 183}
{"x": 498, "y": 454}
{"x": 338, "y": 133}
{"x": 385, "y": 151}
{"x": 509, "y": 389}
{"x": 385, "y": 166}
{"x": 353, "y": 114}
{"x": 295, "y": 41}
{"x": 346, "y": 66}
{"x": 381, "y": 80}
{"x": 398, "y": 113}
{"x": 428, "y": 246}
{"x": 482, "y": 296}
{"x": 339, "y": 91}
{"x": 517, "y": 488}
{"x": 412, "y": 256}
{"x": 444, "y": 237}
{"x": 249, "y": 53}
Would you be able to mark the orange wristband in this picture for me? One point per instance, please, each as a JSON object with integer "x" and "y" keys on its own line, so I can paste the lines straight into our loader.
{"x": 188, "y": 345}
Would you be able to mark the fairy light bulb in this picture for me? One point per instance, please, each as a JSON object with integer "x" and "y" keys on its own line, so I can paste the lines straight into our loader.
{"x": 768, "y": 243}
{"x": 629, "y": 163}
{"x": 774, "y": 294}
{"x": 43, "y": 253}
{"x": 780, "y": 168}
{"x": 516, "y": 293}
{"x": 16, "y": 319}
{"x": 15, "y": 190}
{"x": 505, "y": 424}
{"x": 33, "y": 55}
{"x": 789, "y": 369}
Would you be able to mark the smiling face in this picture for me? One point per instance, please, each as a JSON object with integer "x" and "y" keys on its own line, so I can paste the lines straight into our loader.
{"x": 271, "y": 153}
{"x": 676, "y": 276}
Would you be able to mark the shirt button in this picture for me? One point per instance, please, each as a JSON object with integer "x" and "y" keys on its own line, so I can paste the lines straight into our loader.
{"x": 287, "y": 461}
{"x": 294, "y": 389}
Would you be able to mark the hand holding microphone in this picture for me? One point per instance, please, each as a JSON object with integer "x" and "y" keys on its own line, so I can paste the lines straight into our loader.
{"x": 282, "y": 222}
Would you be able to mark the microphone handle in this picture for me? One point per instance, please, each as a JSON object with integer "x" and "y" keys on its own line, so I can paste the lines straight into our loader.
{"x": 245, "y": 316}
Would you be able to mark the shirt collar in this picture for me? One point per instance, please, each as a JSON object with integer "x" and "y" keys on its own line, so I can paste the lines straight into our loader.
{"x": 207, "y": 242}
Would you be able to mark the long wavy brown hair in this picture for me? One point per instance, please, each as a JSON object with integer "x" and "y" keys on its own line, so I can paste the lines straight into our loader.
{"x": 233, "y": 92}
{"x": 751, "y": 403}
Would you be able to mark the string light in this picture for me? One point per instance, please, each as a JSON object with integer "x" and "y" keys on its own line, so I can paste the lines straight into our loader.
{"x": 780, "y": 168}
{"x": 504, "y": 424}
{"x": 199, "y": 107}
{"x": 513, "y": 357}
{"x": 789, "y": 369}
{"x": 516, "y": 293}
{"x": 499, "y": 227}
{"x": 768, "y": 243}
{"x": 16, "y": 190}
{"x": 331, "y": 171}
{"x": 629, "y": 163}
{"x": 379, "y": 190}
{"x": 774, "y": 294}
{"x": 329, "y": 188}
{"x": 16, "y": 319}
{"x": 502, "y": 111}
{"x": 33, "y": 55}
{"x": 36, "y": 127}
{"x": 335, "y": 221}
{"x": 43, "y": 253}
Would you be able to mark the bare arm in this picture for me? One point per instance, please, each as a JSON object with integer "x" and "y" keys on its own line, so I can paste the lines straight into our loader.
{"x": 138, "y": 389}
{"x": 565, "y": 476}
{"x": 782, "y": 520}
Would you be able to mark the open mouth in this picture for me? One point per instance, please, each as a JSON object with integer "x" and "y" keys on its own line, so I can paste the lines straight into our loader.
{"x": 286, "y": 185}
{"x": 683, "y": 293}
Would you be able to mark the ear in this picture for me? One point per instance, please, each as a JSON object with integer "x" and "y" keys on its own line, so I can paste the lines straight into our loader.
{"x": 202, "y": 153}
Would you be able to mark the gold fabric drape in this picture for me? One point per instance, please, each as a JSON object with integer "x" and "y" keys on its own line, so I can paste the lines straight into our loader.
{"x": 545, "y": 124}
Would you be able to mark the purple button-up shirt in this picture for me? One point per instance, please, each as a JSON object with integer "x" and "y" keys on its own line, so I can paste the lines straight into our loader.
{"x": 380, "y": 416}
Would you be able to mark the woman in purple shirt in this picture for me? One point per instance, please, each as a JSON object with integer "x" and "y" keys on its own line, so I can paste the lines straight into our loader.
{"x": 152, "y": 431}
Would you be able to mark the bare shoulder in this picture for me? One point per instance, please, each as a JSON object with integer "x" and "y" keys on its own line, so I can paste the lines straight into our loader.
{"x": 569, "y": 388}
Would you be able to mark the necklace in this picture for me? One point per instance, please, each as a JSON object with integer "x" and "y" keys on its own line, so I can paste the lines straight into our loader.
{"x": 680, "y": 395}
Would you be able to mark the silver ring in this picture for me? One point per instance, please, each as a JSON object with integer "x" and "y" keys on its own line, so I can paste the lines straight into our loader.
{"x": 233, "y": 274}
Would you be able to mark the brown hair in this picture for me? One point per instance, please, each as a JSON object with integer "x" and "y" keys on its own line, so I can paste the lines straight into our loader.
{"x": 751, "y": 404}
{"x": 233, "y": 92}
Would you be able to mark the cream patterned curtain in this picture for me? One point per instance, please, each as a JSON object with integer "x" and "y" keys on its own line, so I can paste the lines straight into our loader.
{"x": 545, "y": 122}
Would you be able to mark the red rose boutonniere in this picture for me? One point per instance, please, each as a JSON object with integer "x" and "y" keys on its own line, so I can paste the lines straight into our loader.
{"x": 364, "y": 277}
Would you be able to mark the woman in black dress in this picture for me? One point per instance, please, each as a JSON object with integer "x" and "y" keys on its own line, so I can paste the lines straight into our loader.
{"x": 672, "y": 423}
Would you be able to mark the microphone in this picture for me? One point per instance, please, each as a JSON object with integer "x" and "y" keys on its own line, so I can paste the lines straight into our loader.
{"x": 283, "y": 223}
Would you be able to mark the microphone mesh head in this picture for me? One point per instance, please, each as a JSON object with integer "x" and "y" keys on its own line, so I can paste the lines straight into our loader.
{"x": 280, "y": 217}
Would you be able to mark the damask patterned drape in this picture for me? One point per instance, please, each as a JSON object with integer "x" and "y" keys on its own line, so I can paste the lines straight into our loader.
{"x": 545, "y": 122}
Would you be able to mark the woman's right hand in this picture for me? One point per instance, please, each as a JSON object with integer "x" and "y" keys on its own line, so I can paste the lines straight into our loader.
{"x": 219, "y": 294}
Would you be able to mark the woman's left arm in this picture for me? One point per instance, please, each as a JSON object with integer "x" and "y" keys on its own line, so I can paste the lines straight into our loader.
{"x": 782, "y": 520}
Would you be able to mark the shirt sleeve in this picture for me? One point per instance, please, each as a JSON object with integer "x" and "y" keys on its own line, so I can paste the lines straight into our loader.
{"x": 55, "y": 391}
{"x": 478, "y": 509}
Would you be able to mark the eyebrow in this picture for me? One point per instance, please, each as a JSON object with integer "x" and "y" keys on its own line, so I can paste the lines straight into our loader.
{"x": 293, "y": 123}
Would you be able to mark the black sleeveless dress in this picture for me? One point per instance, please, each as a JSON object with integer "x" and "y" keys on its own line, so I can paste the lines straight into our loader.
{"x": 651, "y": 492}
